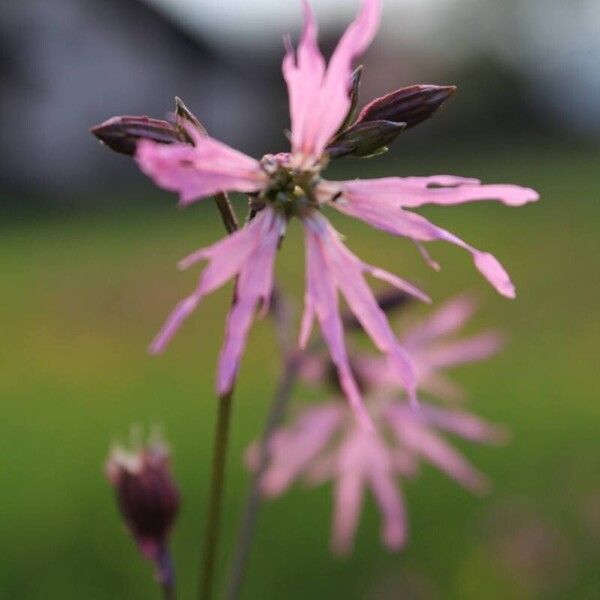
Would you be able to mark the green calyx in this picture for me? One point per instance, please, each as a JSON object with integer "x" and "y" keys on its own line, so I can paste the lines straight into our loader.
{"x": 289, "y": 191}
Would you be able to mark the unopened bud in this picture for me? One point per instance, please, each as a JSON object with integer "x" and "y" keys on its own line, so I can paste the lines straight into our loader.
{"x": 363, "y": 140}
{"x": 148, "y": 500}
{"x": 122, "y": 134}
{"x": 410, "y": 105}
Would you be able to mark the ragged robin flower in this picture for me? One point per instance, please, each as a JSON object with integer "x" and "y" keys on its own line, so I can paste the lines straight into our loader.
{"x": 290, "y": 185}
{"x": 325, "y": 443}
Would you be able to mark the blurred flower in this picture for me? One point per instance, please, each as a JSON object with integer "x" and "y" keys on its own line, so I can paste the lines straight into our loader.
{"x": 148, "y": 500}
{"x": 432, "y": 350}
{"x": 287, "y": 185}
{"x": 326, "y": 443}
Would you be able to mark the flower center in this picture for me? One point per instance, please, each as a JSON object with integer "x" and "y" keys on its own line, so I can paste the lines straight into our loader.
{"x": 290, "y": 190}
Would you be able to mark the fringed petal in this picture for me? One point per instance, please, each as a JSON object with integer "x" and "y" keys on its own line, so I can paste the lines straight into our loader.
{"x": 198, "y": 171}
{"x": 319, "y": 98}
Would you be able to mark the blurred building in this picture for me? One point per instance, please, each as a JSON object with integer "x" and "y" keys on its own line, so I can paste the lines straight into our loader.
{"x": 523, "y": 69}
{"x": 69, "y": 64}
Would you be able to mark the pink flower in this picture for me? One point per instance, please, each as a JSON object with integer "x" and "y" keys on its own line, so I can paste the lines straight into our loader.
{"x": 326, "y": 443}
{"x": 432, "y": 348}
{"x": 289, "y": 185}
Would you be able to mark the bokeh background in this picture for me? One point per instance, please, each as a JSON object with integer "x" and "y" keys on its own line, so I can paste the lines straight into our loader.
{"x": 87, "y": 254}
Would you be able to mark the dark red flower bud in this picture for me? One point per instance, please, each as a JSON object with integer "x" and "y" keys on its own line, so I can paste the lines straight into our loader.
{"x": 148, "y": 499}
{"x": 410, "y": 105}
{"x": 122, "y": 134}
{"x": 363, "y": 140}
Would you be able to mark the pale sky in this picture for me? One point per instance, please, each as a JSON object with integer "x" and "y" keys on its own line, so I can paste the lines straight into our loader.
{"x": 228, "y": 22}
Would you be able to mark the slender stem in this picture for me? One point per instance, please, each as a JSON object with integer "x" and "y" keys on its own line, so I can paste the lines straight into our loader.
{"x": 277, "y": 411}
{"x": 253, "y": 502}
{"x": 220, "y": 442}
{"x": 226, "y": 211}
{"x": 166, "y": 573}
{"x": 216, "y": 496}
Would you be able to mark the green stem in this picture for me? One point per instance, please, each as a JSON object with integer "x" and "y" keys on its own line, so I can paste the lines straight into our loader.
{"x": 253, "y": 503}
{"x": 211, "y": 540}
{"x": 221, "y": 437}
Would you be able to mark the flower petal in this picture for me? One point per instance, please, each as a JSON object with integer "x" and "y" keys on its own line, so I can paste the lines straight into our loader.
{"x": 254, "y": 285}
{"x": 319, "y": 99}
{"x": 298, "y": 448}
{"x": 322, "y": 299}
{"x": 347, "y": 273}
{"x": 464, "y": 424}
{"x": 450, "y": 317}
{"x": 226, "y": 259}
{"x": 405, "y": 424}
{"x": 383, "y": 212}
{"x": 411, "y": 192}
{"x": 394, "y": 529}
{"x": 334, "y": 100}
{"x": 304, "y": 75}
{"x": 348, "y": 499}
{"x": 198, "y": 171}
{"x": 471, "y": 349}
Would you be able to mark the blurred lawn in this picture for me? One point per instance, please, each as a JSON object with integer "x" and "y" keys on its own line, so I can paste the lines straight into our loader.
{"x": 82, "y": 295}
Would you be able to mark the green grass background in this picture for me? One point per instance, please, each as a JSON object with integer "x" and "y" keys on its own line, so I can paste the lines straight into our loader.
{"x": 83, "y": 292}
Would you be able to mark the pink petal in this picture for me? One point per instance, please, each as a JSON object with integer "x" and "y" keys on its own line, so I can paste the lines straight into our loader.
{"x": 225, "y": 260}
{"x": 358, "y": 452}
{"x": 464, "y": 424}
{"x": 472, "y": 349}
{"x": 322, "y": 469}
{"x": 450, "y": 317}
{"x": 254, "y": 285}
{"x": 383, "y": 212}
{"x": 420, "y": 439}
{"x": 334, "y": 101}
{"x": 347, "y": 273}
{"x": 199, "y": 171}
{"x": 322, "y": 299}
{"x": 411, "y": 192}
{"x": 439, "y": 386}
{"x": 511, "y": 195}
{"x": 377, "y": 371}
{"x": 348, "y": 499}
{"x": 304, "y": 77}
{"x": 319, "y": 100}
{"x": 313, "y": 369}
{"x": 304, "y": 441}
{"x": 394, "y": 530}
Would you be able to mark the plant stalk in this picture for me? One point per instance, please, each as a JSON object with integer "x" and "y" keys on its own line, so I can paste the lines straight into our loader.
{"x": 253, "y": 502}
{"x": 220, "y": 443}
{"x": 166, "y": 574}
{"x": 211, "y": 541}
{"x": 226, "y": 211}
